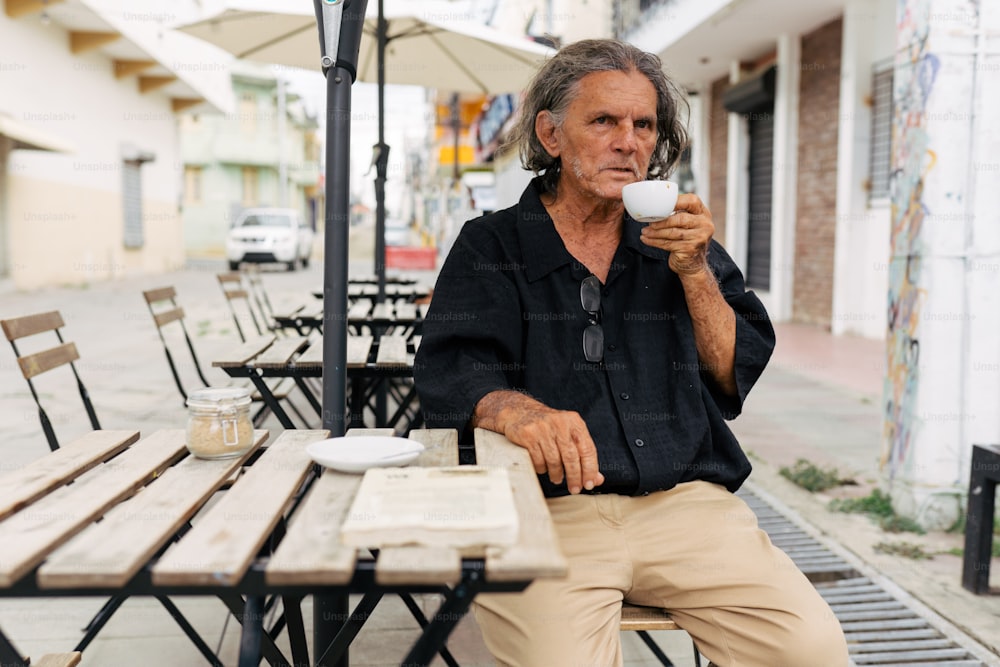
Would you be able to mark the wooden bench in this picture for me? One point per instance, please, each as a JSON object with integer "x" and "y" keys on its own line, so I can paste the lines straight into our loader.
{"x": 58, "y": 660}
{"x": 984, "y": 474}
{"x": 643, "y": 620}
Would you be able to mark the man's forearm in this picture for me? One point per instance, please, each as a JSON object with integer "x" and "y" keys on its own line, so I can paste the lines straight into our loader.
{"x": 495, "y": 409}
{"x": 714, "y": 327}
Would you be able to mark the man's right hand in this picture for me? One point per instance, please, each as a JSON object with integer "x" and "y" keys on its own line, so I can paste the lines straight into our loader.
{"x": 557, "y": 440}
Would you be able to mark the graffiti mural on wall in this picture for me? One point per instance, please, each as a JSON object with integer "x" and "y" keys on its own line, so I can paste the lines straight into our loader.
{"x": 913, "y": 158}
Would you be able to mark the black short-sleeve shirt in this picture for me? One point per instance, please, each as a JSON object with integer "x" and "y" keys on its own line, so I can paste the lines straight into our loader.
{"x": 506, "y": 314}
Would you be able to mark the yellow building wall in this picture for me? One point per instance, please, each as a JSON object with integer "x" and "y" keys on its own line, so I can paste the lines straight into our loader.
{"x": 74, "y": 235}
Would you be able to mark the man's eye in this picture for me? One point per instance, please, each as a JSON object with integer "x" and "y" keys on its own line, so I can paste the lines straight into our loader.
{"x": 644, "y": 124}
{"x": 602, "y": 120}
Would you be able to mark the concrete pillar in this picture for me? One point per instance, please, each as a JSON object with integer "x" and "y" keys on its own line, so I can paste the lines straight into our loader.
{"x": 5, "y": 254}
{"x": 943, "y": 345}
{"x": 784, "y": 176}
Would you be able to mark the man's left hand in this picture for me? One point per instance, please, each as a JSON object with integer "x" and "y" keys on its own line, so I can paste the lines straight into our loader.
{"x": 685, "y": 234}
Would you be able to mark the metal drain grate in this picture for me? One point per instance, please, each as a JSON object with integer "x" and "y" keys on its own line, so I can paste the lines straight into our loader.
{"x": 880, "y": 629}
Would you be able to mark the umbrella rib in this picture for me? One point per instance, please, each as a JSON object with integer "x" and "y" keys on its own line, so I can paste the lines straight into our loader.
{"x": 270, "y": 42}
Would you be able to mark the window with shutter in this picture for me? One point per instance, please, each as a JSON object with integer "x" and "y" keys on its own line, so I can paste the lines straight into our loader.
{"x": 880, "y": 157}
{"x": 132, "y": 199}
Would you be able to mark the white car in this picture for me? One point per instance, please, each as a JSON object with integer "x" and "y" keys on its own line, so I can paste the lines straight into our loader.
{"x": 270, "y": 235}
{"x": 397, "y": 232}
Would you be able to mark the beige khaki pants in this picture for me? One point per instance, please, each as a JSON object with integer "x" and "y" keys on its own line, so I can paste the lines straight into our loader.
{"x": 695, "y": 550}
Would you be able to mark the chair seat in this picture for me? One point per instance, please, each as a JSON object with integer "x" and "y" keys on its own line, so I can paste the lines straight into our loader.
{"x": 637, "y": 618}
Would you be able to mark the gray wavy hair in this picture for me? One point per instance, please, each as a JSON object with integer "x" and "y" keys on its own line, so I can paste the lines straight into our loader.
{"x": 556, "y": 85}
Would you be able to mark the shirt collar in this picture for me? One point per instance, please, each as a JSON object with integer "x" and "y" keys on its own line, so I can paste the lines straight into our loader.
{"x": 541, "y": 245}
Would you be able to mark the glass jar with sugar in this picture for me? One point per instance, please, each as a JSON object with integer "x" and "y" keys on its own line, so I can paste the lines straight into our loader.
{"x": 219, "y": 423}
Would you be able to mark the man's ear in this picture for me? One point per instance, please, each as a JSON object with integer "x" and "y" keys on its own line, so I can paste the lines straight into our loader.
{"x": 546, "y": 131}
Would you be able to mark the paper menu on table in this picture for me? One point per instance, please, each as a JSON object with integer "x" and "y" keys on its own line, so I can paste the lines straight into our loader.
{"x": 456, "y": 506}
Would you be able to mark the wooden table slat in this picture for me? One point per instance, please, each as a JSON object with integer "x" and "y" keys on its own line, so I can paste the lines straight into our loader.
{"x": 288, "y": 311}
{"x": 28, "y": 536}
{"x": 25, "y": 485}
{"x": 358, "y": 348}
{"x": 359, "y": 309}
{"x": 391, "y": 351}
{"x": 536, "y": 553}
{"x": 441, "y": 444}
{"x": 279, "y": 353}
{"x": 311, "y": 551}
{"x": 382, "y": 311}
{"x": 109, "y": 553}
{"x": 312, "y": 357}
{"x": 223, "y": 542}
{"x": 406, "y": 311}
{"x": 238, "y": 356}
{"x": 418, "y": 565}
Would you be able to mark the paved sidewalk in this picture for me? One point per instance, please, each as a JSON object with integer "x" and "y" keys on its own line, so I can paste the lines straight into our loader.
{"x": 819, "y": 400}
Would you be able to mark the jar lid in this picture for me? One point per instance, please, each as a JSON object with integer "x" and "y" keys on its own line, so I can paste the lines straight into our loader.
{"x": 219, "y": 397}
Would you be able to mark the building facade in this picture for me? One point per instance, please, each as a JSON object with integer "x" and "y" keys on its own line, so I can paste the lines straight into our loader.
{"x": 90, "y": 169}
{"x": 266, "y": 152}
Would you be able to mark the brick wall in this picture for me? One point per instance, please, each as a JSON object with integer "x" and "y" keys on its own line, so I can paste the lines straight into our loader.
{"x": 815, "y": 226}
{"x": 719, "y": 139}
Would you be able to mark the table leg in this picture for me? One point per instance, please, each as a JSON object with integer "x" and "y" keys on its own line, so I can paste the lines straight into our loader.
{"x": 358, "y": 389}
{"x": 454, "y": 607}
{"x": 329, "y": 615}
{"x": 348, "y": 631}
{"x": 296, "y": 629}
{"x": 310, "y": 396}
{"x": 270, "y": 401}
{"x": 10, "y": 655}
{"x": 253, "y": 630}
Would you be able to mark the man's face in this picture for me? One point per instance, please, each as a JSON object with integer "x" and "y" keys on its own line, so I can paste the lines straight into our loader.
{"x": 607, "y": 137}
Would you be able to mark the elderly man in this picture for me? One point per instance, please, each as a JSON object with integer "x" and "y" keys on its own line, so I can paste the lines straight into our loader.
{"x": 614, "y": 352}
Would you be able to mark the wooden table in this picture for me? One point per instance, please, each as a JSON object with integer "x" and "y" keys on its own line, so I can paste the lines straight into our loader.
{"x": 363, "y": 316}
{"x": 51, "y": 544}
{"x": 372, "y": 362}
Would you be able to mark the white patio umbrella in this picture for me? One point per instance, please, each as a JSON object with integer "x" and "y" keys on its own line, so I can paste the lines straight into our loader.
{"x": 427, "y": 45}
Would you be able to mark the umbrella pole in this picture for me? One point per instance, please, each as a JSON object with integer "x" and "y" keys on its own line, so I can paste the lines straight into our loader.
{"x": 381, "y": 159}
{"x": 340, "y": 39}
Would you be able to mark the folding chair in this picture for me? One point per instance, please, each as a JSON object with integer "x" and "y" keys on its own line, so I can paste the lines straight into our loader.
{"x": 232, "y": 288}
{"x": 162, "y": 303}
{"x": 33, "y": 365}
{"x": 645, "y": 619}
{"x": 42, "y": 361}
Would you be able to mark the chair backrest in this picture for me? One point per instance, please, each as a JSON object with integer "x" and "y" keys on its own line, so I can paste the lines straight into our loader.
{"x": 232, "y": 288}
{"x": 255, "y": 283}
{"x": 42, "y": 361}
{"x": 162, "y": 303}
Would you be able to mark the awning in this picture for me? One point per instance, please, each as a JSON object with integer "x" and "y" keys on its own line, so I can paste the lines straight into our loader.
{"x": 30, "y": 138}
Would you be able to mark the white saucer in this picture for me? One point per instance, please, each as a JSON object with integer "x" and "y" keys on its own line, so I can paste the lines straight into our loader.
{"x": 359, "y": 453}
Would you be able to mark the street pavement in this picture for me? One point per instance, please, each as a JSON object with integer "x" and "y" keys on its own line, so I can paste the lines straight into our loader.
{"x": 819, "y": 400}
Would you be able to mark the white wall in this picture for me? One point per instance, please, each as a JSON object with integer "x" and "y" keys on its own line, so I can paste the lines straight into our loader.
{"x": 861, "y": 260}
{"x": 65, "y": 212}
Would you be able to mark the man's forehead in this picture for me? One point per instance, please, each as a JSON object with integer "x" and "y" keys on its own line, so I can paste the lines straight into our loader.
{"x": 616, "y": 89}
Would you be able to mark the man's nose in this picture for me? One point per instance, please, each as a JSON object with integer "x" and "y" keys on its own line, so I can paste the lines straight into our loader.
{"x": 625, "y": 139}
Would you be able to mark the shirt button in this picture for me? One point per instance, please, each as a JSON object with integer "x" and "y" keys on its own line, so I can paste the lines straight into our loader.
{"x": 624, "y": 396}
{"x": 639, "y": 442}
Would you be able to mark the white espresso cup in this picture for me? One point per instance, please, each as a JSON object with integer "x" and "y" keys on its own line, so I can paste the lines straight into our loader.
{"x": 648, "y": 201}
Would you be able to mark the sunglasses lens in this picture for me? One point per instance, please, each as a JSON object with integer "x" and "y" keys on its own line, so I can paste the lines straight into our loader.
{"x": 590, "y": 294}
{"x": 593, "y": 343}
